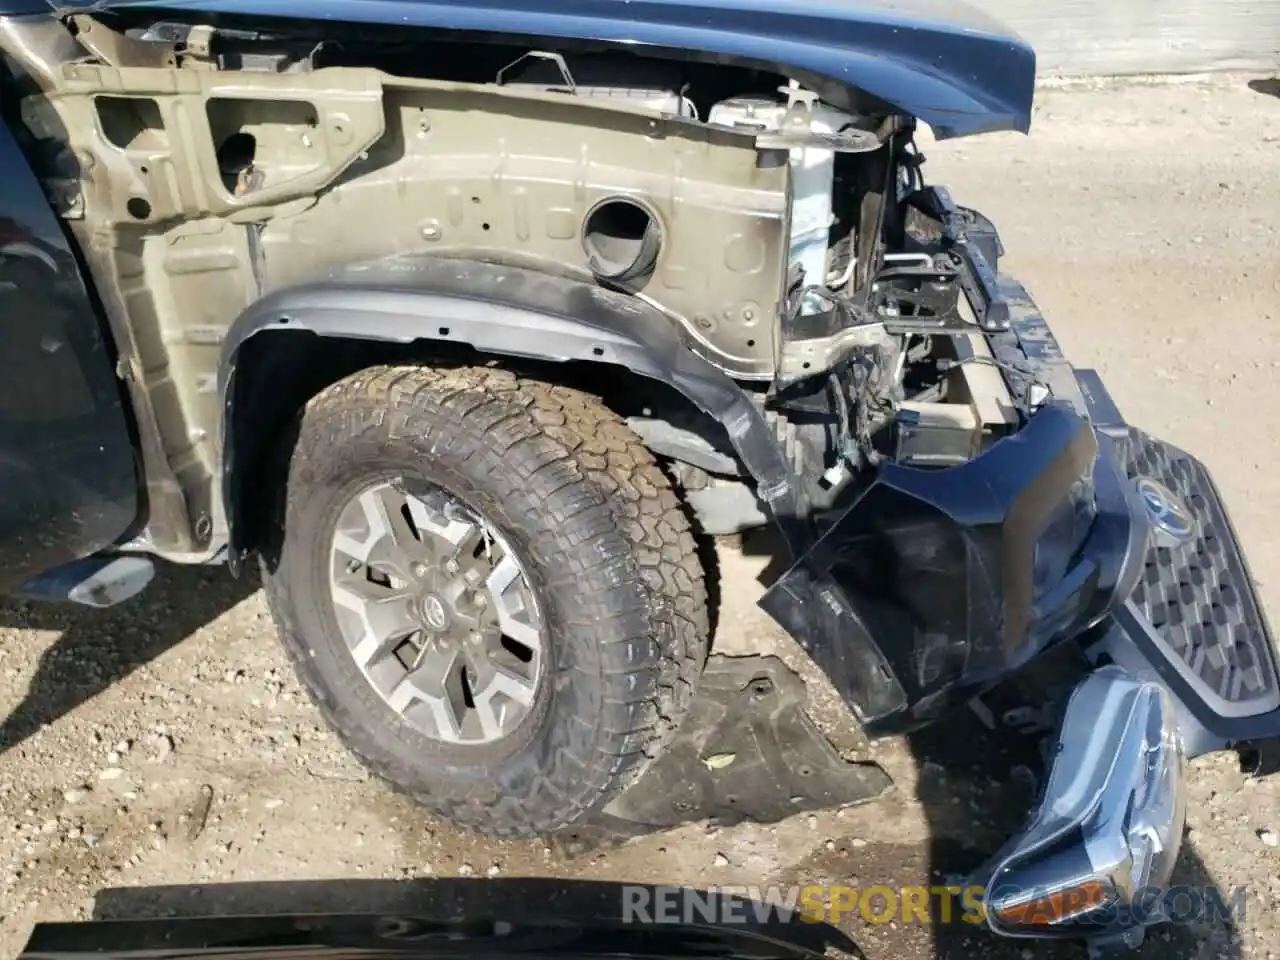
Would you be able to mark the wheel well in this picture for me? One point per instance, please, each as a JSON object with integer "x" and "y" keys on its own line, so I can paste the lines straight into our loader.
{"x": 277, "y": 373}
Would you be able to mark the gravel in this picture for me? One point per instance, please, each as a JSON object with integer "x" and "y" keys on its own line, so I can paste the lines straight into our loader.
{"x": 1115, "y": 216}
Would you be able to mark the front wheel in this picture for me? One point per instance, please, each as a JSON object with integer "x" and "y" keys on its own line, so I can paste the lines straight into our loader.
{"x": 489, "y": 588}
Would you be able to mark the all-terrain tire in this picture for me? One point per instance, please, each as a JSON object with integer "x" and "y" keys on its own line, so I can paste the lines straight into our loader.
{"x": 607, "y": 548}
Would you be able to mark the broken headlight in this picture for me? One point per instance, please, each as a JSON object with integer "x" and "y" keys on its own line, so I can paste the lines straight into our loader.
{"x": 1109, "y": 825}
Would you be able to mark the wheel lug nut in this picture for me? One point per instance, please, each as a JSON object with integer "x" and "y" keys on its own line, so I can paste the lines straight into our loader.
{"x": 418, "y": 569}
{"x": 451, "y": 566}
{"x": 474, "y": 637}
{"x": 481, "y": 600}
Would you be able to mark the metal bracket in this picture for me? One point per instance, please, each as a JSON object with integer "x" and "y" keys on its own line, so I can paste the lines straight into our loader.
{"x": 816, "y": 355}
{"x": 839, "y": 141}
{"x": 974, "y": 249}
{"x": 919, "y": 293}
{"x": 118, "y": 49}
{"x": 548, "y": 56}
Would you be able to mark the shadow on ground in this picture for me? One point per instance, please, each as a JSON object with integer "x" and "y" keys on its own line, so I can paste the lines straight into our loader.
{"x": 1269, "y": 86}
{"x": 98, "y": 648}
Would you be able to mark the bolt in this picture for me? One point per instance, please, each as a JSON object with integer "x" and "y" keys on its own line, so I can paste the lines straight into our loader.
{"x": 481, "y": 600}
{"x": 418, "y": 569}
{"x": 474, "y": 637}
{"x": 451, "y": 566}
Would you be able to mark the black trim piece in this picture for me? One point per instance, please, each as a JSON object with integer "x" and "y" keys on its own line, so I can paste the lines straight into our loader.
{"x": 505, "y": 311}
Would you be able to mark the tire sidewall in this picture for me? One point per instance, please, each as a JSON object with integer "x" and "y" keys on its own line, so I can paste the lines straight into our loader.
{"x": 319, "y": 488}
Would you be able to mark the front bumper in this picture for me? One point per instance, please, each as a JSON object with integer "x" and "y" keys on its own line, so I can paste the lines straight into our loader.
{"x": 935, "y": 585}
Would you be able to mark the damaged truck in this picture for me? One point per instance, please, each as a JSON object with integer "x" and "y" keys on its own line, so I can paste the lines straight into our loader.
{"x": 463, "y": 322}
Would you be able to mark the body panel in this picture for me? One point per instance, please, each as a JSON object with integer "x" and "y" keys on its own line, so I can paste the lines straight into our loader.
{"x": 353, "y": 165}
{"x": 945, "y": 63}
{"x": 67, "y": 465}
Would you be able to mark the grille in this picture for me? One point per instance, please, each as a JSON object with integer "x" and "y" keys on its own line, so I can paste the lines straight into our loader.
{"x": 1198, "y": 595}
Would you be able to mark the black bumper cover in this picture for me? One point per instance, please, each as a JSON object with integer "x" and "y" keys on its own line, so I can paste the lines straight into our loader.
{"x": 924, "y": 593}
{"x": 935, "y": 585}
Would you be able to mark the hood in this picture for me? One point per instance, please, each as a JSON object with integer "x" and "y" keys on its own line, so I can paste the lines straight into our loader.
{"x": 943, "y": 62}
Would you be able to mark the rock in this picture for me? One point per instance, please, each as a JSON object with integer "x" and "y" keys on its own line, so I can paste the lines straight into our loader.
{"x": 75, "y": 794}
{"x": 273, "y": 804}
{"x": 49, "y": 827}
{"x": 91, "y": 840}
{"x": 161, "y": 747}
{"x": 1269, "y": 838}
{"x": 466, "y": 870}
{"x": 493, "y": 871}
{"x": 123, "y": 747}
{"x": 719, "y": 761}
{"x": 721, "y": 860}
{"x": 111, "y": 773}
{"x": 857, "y": 843}
{"x": 830, "y": 844}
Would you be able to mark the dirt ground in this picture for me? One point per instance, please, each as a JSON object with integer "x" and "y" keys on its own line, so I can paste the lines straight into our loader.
{"x": 156, "y": 753}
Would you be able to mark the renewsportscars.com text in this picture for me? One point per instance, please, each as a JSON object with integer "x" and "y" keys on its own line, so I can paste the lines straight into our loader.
{"x": 815, "y": 903}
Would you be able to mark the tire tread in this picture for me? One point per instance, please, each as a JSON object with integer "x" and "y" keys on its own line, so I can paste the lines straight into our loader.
{"x": 615, "y": 506}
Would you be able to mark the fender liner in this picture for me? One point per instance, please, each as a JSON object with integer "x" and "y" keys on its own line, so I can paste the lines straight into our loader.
{"x": 507, "y": 311}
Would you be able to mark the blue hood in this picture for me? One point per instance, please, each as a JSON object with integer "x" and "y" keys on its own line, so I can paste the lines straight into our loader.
{"x": 939, "y": 60}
